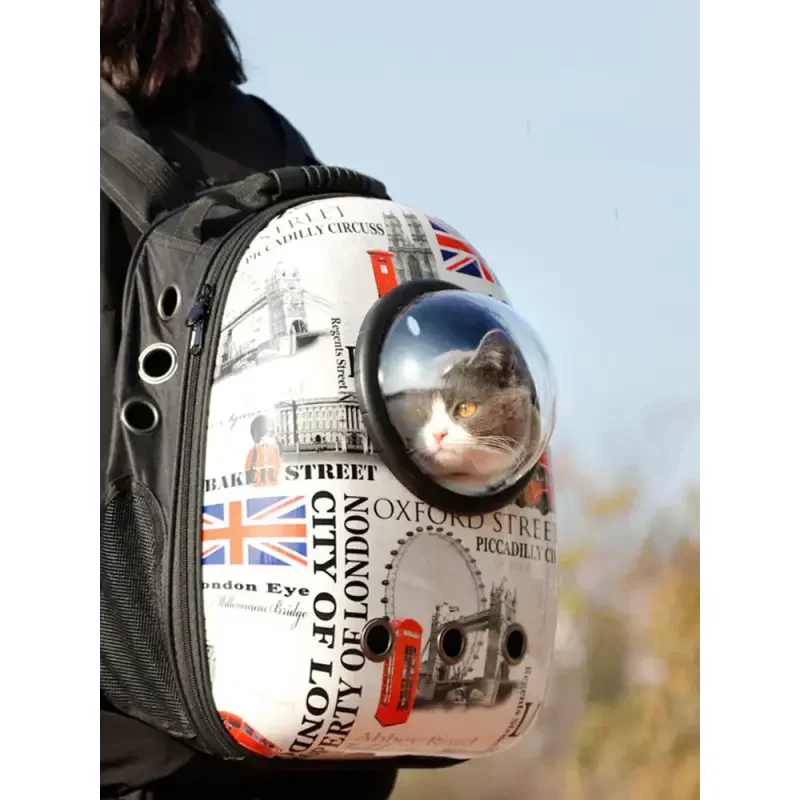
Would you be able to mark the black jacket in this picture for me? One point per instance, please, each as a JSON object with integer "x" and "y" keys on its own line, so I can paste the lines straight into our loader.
{"x": 215, "y": 132}
{"x": 223, "y": 134}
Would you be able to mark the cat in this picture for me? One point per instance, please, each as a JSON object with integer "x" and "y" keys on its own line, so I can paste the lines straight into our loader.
{"x": 480, "y": 424}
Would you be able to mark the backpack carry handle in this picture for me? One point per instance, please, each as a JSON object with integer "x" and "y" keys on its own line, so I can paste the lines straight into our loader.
{"x": 263, "y": 189}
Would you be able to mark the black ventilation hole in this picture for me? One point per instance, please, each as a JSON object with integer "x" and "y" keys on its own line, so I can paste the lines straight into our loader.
{"x": 139, "y": 416}
{"x": 515, "y": 644}
{"x": 168, "y": 302}
{"x": 452, "y": 643}
{"x": 377, "y": 639}
{"x": 157, "y": 363}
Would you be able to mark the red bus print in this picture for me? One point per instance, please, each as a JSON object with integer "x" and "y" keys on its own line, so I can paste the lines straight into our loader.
{"x": 400, "y": 674}
{"x": 383, "y": 269}
{"x": 247, "y": 736}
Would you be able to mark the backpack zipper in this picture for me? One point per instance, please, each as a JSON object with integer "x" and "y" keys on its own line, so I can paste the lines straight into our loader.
{"x": 186, "y": 601}
{"x": 187, "y": 597}
{"x": 197, "y": 318}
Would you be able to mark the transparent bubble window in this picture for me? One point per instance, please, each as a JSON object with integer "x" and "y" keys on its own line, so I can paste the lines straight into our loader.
{"x": 468, "y": 388}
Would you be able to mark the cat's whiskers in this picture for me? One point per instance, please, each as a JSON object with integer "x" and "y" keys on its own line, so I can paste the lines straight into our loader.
{"x": 495, "y": 444}
{"x": 419, "y": 452}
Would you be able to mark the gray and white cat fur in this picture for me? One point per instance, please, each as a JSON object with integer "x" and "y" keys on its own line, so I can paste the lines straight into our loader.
{"x": 480, "y": 424}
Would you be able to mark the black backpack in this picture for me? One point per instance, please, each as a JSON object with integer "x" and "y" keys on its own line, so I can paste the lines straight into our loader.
{"x": 154, "y": 666}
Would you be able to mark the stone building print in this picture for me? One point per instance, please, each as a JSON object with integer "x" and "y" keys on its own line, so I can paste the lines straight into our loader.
{"x": 275, "y": 321}
{"x": 322, "y": 424}
{"x": 470, "y": 681}
{"x": 286, "y": 303}
{"x": 412, "y": 255}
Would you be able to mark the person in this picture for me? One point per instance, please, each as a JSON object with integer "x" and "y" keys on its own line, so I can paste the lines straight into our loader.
{"x": 263, "y": 463}
{"x": 178, "y": 65}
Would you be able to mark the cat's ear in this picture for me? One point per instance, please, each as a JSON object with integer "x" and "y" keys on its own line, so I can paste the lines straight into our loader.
{"x": 496, "y": 352}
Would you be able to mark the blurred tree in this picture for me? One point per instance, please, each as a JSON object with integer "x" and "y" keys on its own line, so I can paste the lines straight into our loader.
{"x": 598, "y": 506}
{"x": 640, "y": 737}
{"x": 608, "y": 650}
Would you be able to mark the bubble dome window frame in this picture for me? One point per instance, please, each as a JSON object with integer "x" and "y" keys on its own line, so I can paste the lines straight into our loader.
{"x": 372, "y": 380}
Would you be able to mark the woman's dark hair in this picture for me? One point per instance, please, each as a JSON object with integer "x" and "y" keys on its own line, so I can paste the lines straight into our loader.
{"x": 149, "y": 48}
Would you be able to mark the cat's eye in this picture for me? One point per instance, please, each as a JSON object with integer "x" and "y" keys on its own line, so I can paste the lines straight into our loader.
{"x": 466, "y": 409}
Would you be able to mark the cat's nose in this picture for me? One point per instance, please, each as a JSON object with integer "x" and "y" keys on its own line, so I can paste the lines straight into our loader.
{"x": 437, "y": 437}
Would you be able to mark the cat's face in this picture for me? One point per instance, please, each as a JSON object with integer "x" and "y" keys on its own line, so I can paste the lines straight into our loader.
{"x": 479, "y": 423}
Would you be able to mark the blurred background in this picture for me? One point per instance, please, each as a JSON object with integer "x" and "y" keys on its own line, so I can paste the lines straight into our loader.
{"x": 562, "y": 140}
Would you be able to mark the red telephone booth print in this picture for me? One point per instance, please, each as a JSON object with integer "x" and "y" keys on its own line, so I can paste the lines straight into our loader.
{"x": 400, "y": 674}
{"x": 247, "y": 736}
{"x": 383, "y": 268}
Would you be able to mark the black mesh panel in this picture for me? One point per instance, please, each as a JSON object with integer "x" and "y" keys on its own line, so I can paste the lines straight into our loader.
{"x": 135, "y": 670}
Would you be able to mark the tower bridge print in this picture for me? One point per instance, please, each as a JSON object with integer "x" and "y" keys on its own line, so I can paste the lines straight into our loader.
{"x": 274, "y": 323}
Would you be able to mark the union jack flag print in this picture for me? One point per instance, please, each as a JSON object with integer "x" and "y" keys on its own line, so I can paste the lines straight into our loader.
{"x": 268, "y": 530}
{"x": 458, "y": 254}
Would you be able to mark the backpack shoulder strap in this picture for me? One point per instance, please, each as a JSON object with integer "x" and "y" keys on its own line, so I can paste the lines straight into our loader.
{"x": 133, "y": 174}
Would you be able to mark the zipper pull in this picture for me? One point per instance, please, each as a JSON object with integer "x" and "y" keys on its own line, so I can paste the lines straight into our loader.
{"x": 197, "y": 319}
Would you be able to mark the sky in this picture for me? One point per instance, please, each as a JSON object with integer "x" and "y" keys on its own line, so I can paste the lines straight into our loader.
{"x": 562, "y": 140}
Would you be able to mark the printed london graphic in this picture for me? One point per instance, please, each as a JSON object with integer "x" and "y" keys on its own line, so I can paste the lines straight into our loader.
{"x": 285, "y": 333}
{"x": 247, "y": 736}
{"x": 284, "y": 392}
{"x": 269, "y": 316}
{"x": 267, "y": 531}
{"x": 400, "y": 678}
{"x": 460, "y": 256}
{"x": 307, "y": 536}
{"x": 538, "y": 493}
{"x": 262, "y": 466}
{"x": 420, "y": 604}
{"x": 408, "y": 256}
